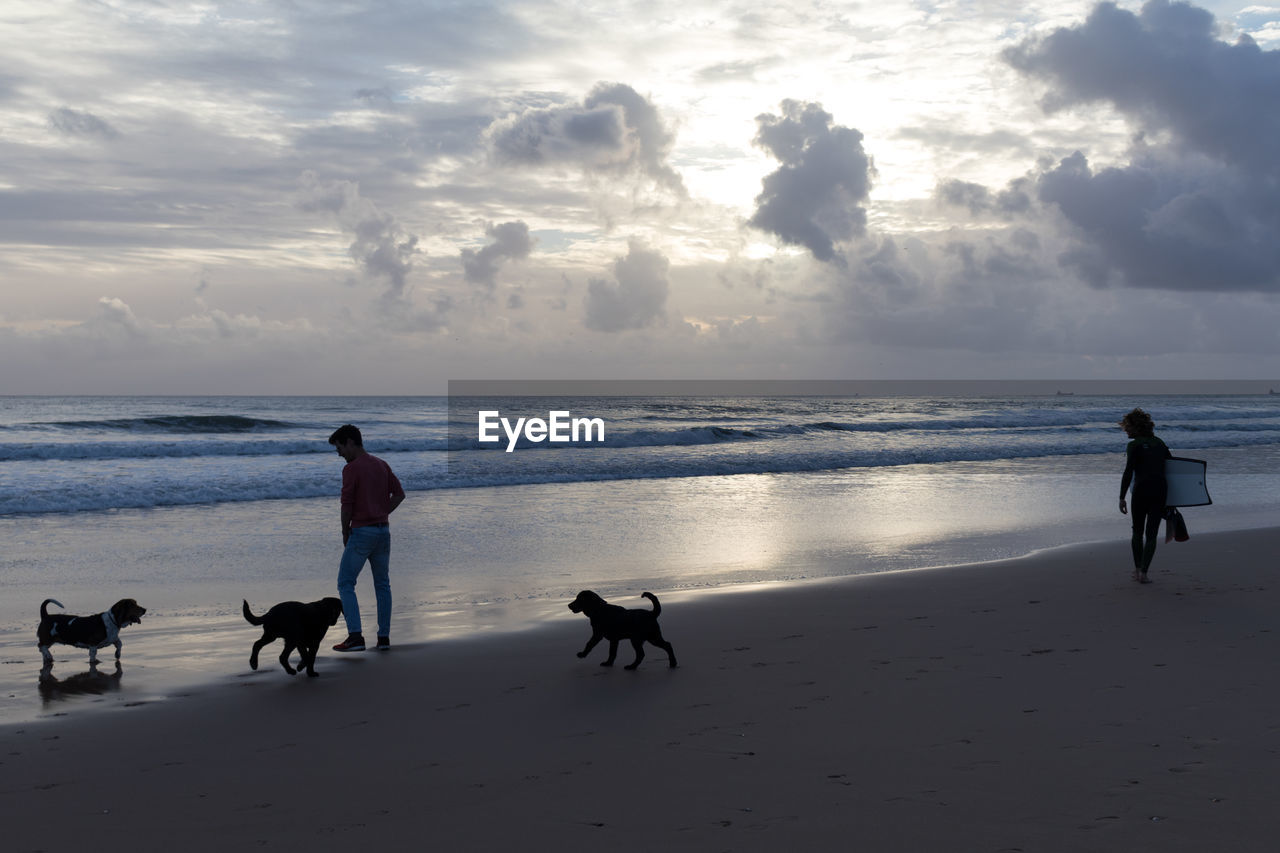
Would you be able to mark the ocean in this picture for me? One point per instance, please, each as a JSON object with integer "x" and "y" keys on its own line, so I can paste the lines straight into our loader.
{"x": 191, "y": 504}
{"x": 97, "y": 454}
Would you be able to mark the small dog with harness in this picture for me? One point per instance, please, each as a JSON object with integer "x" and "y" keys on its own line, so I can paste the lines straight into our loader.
{"x": 86, "y": 632}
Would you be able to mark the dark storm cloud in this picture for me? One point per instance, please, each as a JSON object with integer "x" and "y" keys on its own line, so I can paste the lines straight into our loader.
{"x": 511, "y": 241}
{"x": 1166, "y": 69}
{"x": 814, "y": 198}
{"x": 636, "y": 298}
{"x": 1197, "y": 207}
{"x": 1173, "y": 225}
{"x": 71, "y": 122}
{"x": 615, "y": 129}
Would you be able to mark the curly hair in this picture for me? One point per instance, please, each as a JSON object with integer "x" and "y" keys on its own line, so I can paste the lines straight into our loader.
{"x": 1138, "y": 423}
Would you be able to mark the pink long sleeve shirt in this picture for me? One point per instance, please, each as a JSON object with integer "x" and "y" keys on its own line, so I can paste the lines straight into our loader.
{"x": 368, "y": 486}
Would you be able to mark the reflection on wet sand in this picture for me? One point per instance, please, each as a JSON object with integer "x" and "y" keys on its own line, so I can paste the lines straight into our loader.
{"x": 93, "y": 682}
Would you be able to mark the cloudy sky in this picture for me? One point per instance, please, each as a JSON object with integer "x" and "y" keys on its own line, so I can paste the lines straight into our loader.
{"x": 369, "y": 196}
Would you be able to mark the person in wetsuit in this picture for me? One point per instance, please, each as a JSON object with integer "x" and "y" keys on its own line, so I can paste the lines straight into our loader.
{"x": 1144, "y": 467}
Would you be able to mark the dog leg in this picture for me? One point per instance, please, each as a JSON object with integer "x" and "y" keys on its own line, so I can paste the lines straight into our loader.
{"x": 257, "y": 647}
{"x": 284, "y": 659}
{"x": 309, "y": 660}
{"x": 119, "y": 645}
{"x": 44, "y": 653}
{"x": 591, "y": 644}
{"x": 657, "y": 640}
{"x": 613, "y": 653}
{"x": 93, "y": 657}
{"x": 638, "y": 645}
{"x": 671, "y": 653}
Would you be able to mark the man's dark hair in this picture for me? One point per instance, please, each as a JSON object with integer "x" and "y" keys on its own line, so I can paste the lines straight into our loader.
{"x": 346, "y": 433}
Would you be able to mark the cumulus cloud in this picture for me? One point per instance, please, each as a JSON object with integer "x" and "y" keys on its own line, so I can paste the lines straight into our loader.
{"x": 71, "y": 122}
{"x": 114, "y": 316}
{"x": 814, "y": 198}
{"x": 511, "y": 241}
{"x": 1166, "y": 69}
{"x": 637, "y": 296}
{"x": 615, "y": 130}
{"x": 381, "y": 248}
{"x": 1197, "y": 206}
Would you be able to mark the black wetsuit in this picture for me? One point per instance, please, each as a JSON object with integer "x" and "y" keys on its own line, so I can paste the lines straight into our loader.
{"x": 1144, "y": 465}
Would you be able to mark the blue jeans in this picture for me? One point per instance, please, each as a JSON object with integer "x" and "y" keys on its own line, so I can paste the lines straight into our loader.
{"x": 374, "y": 545}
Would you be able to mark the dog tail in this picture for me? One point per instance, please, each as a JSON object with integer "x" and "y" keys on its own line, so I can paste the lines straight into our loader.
{"x": 44, "y": 607}
{"x": 657, "y": 608}
{"x": 248, "y": 615}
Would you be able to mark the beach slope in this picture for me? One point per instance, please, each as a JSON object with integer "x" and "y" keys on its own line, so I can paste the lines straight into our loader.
{"x": 1042, "y": 704}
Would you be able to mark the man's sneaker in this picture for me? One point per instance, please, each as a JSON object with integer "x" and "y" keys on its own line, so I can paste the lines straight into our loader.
{"x": 353, "y": 643}
{"x": 384, "y": 644}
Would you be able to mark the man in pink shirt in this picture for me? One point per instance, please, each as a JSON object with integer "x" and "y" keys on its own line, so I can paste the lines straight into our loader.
{"x": 370, "y": 493}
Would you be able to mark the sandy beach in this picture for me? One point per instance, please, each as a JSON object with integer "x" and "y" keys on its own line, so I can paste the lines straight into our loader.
{"x": 1039, "y": 704}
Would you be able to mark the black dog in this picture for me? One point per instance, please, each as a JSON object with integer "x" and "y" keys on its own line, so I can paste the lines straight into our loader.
{"x": 301, "y": 626}
{"x": 613, "y": 623}
{"x": 85, "y": 632}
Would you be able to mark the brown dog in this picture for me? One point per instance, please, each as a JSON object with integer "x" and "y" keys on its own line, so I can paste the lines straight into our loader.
{"x": 301, "y": 626}
{"x": 613, "y": 623}
{"x": 85, "y": 632}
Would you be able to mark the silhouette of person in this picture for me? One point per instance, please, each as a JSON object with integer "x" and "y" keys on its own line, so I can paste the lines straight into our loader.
{"x": 1144, "y": 467}
{"x": 370, "y": 493}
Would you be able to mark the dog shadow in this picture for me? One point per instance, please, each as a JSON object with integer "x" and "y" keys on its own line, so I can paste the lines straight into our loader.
{"x": 94, "y": 682}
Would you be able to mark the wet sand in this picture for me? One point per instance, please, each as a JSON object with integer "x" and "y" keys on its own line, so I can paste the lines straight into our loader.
{"x": 1042, "y": 704}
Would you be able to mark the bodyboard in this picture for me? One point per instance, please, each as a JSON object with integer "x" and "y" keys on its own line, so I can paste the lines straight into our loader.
{"x": 1186, "y": 479}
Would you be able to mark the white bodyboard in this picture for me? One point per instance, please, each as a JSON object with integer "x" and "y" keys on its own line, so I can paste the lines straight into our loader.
{"x": 1186, "y": 482}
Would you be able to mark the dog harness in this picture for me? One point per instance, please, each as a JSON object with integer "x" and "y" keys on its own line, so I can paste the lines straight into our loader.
{"x": 108, "y": 622}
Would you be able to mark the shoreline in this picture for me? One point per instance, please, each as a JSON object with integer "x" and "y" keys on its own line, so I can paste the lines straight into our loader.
{"x": 1043, "y": 703}
{"x": 190, "y": 655}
